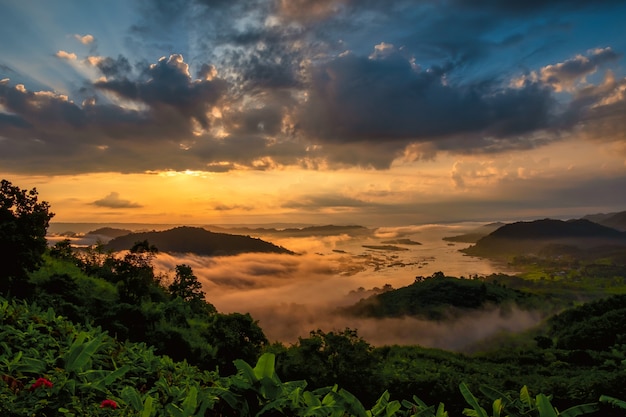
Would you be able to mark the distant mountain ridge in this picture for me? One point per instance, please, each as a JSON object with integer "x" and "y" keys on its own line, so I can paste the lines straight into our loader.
{"x": 326, "y": 230}
{"x": 110, "y": 232}
{"x": 614, "y": 220}
{"x": 197, "y": 240}
{"x": 547, "y": 236}
{"x": 474, "y": 235}
{"x": 550, "y": 228}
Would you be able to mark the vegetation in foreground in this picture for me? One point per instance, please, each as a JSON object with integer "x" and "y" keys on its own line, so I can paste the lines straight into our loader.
{"x": 93, "y": 333}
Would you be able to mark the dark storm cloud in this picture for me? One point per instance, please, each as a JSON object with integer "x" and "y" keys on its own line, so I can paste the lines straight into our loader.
{"x": 46, "y": 132}
{"x": 48, "y": 108}
{"x": 9, "y": 120}
{"x": 115, "y": 68}
{"x": 316, "y": 83}
{"x": 168, "y": 83}
{"x": 371, "y": 101}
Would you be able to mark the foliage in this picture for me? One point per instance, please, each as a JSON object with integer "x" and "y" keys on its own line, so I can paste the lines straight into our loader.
{"x": 325, "y": 359}
{"x": 23, "y": 225}
{"x": 438, "y": 297}
{"x": 186, "y": 286}
{"x": 234, "y": 336}
{"x": 52, "y": 367}
{"x": 596, "y": 325}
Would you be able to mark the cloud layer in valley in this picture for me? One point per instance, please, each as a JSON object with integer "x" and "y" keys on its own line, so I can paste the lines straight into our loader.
{"x": 291, "y": 295}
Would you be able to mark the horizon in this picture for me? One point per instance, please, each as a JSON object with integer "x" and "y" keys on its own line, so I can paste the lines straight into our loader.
{"x": 333, "y": 112}
{"x": 284, "y": 225}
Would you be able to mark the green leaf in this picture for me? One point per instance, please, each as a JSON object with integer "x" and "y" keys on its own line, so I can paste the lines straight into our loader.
{"x": 78, "y": 358}
{"x": 245, "y": 370}
{"x": 497, "y": 407}
{"x": 353, "y": 405}
{"x": 191, "y": 401}
{"x": 116, "y": 374}
{"x": 148, "y": 407}
{"x": 265, "y": 366}
{"x": 613, "y": 401}
{"x": 579, "y": 410}
{"x": 471, "y": 400}
{"x": 310, "y": 399}
{"x": 419, "y": 402}
{"x": 441, "y": 412}
{"x": 524, "y": 396}
{"x": 392, "y": 408}
{"x": 545, "y": 407}
{"x": 131, "y": 396}
{"x": 493, "y": 394}
{"x": 381, "y": 404}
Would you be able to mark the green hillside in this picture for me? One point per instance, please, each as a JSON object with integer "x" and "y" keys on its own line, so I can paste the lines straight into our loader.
{"x": 438, "y": 297}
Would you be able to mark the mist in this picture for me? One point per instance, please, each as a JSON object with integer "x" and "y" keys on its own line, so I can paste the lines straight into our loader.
{"x": 291, "y": 295}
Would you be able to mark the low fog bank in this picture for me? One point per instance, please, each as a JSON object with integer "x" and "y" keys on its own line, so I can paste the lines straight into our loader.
{"x": 286, "y": 322}
{"x": 291, "y": 295}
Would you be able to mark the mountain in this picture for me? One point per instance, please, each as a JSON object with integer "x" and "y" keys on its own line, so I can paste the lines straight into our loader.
{"x": 474, "y": 235}
{"x": 110, "y": 232}
{"x": 327, "y": 230}
{"x": 614, "y": 220}
{"x": 548, "y": 237}
{"x": 197, "y": 240}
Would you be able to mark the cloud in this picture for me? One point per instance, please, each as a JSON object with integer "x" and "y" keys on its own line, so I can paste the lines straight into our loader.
{"x": 565, "y": 76}
{"x": 598, "y": 110}
{"x": 84, "y": 39}
{"x": 168, "y": 85}
{"x": 113, "y": 200}
{"x": 115, "y": 68}
{"x": 316, "y": 85}
{"x": 387, "y": 104}
{"x": 291, "y": 295}
{"x": 325, "y": 201}
{"x": 70, "y": 56}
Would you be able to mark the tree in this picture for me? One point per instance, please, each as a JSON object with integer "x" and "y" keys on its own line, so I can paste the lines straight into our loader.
{"x": 235, "y": 336}
{"x": 23, "y": 225}
{"x": 186, "y": 284}
{"x": 63, "y": 250}
{"x": 336, "y": 357}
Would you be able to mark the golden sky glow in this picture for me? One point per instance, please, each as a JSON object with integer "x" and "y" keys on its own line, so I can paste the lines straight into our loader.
{"x": 371, "y": 197}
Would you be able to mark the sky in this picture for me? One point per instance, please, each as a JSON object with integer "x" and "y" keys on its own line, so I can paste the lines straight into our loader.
{"x": 372, "y": 112}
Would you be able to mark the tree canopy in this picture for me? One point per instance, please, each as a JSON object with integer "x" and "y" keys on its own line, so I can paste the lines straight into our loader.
{"x": 23, "y": 225}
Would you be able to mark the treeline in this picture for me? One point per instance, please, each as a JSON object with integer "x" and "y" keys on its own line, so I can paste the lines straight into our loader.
{"x": 441, "y": 297}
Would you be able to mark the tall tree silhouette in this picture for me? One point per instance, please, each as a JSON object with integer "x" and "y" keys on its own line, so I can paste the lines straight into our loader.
{"x": 23, "y": 225}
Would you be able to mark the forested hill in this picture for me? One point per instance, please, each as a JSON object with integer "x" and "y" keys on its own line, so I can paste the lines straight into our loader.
{"x": 196, "y": 240}
{"x": 439, "y": 297}
{"x": 550, "y": 228}
{"x": 548, "y": 236}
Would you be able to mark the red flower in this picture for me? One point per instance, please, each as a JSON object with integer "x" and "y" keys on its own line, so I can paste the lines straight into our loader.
{"x": 41, "y": 382}
{"x": 109, "y": 404}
